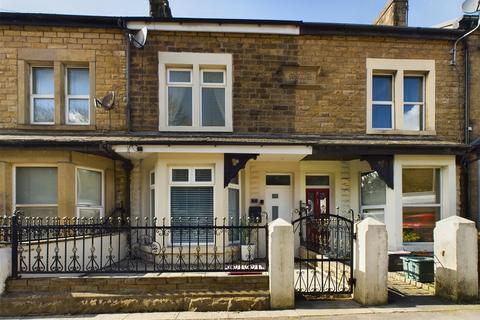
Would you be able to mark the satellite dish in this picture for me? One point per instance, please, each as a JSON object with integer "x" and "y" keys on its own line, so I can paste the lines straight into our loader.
{"x": 107, "y": 102}
{"x": 139, "y": 38}
{"x": 471, "y": 6}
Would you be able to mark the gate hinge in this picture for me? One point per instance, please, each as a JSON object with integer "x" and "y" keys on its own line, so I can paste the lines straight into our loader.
{"x": 354, "y": 236}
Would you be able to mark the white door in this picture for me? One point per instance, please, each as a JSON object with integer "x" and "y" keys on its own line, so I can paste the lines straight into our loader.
{"x": 278, "y": 198}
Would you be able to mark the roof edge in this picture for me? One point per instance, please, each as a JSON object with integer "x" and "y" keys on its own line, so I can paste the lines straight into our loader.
{"x": 306, "y": 28}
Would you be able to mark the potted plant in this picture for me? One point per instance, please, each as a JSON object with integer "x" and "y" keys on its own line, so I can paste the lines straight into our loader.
{"x": 248, "y": 247}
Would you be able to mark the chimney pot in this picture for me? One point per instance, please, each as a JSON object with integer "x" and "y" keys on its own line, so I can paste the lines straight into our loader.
{"x": 160, "y": 9}
{"x": 395, "y": 13}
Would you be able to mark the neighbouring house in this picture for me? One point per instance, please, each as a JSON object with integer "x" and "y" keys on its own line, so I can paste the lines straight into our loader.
{"x": 214, "y": 118}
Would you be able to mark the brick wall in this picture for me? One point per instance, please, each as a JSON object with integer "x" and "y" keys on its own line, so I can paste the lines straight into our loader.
{"x": 109, "y": 51}
{"x": 330, "y": 95}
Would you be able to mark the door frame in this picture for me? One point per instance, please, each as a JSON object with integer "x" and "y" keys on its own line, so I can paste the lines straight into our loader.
{"x": 318, "y": 189}
{"x": 330, "y": 186}
{"x": 290, "y": 187}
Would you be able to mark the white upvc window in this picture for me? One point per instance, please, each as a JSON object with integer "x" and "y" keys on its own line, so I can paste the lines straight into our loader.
{"x": 77, "y": 96}
{"x": 152, "y": 195}
{"x": 195, "y": 92}
{"x": 234, "y": 209}
{"x": 36, "y": 190}
{"x": 400, "y": 96}
{"x": 383, "y": 104}
{"x": 373, "y": 196}
{"x": 42, "y": 100}
{"x": 90, "y": 191}
{"x": 191, "y": 202}
{"x": 421, "y": 202}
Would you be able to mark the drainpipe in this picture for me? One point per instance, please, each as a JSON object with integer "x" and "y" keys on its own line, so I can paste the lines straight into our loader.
{"x": 123, "y": 25}
{"x": 466, "y": 163}
{"x": 127, "y": 72}
{"x": 127, "y": 166}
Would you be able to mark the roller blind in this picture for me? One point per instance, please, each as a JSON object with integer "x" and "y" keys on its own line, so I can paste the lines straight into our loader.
{"x": 36, "y": 186}
{"x": 187, "y": 204}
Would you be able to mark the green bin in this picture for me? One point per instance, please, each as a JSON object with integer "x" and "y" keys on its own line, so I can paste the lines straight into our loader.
{"x": 419, "y": 268}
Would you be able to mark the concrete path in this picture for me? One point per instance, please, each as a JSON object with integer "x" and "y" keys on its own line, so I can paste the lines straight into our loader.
{"x": 400, "y": 307}
{"x": 352, "y": 313}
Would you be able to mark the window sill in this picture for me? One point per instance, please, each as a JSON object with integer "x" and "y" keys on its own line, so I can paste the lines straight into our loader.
{"x": 196, "y": 129}
{"x": 53, "y": 127}
{"x": 402, "y": 132}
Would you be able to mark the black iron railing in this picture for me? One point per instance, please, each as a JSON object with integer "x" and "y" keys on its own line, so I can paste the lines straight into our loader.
{"x": 5, "y": 230}
{"x": 51, "y": 246}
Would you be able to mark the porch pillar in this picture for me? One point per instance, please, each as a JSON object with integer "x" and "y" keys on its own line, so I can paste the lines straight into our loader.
{"x": 371, "y": 263}
{"x": 281, "y": 265}
{"x": 456, "y": 259}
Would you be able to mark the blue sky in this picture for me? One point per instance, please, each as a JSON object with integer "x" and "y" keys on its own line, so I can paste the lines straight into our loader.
{"x": 422, "y": 12}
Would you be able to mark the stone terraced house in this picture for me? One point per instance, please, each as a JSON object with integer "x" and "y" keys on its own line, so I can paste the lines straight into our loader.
{"x": 223, "y": 118}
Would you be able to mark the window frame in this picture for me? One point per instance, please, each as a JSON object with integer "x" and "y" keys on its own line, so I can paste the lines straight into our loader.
{"x": 208, "y": 85}
{"x": 78, "y": 207}
{"x": 422, "y": 104}
{"x": 14, "y": 185}
{"x": 197, "y": 62}
{"x": 151, "y": 188}
{"x": 190, "y": 183}
{"x": 363, "y": 207}
{"x": 70, "y": 96}
{"x": 417, "y": 205}
{"x": 238, "y": 187}
{"x": 402, "y": 68}
{"x": 385, "y": 103}
{"x": 32, "y": 96}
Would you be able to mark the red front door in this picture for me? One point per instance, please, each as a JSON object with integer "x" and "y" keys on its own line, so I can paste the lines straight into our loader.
{"x": 320, "y": 200}
{"x": 317, "y": 229}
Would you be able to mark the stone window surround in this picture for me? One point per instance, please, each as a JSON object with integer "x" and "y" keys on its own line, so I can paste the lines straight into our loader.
{"x": 196, "y": 61}
{"x": 399, "y": 68}
{"x": 60, "y": 59}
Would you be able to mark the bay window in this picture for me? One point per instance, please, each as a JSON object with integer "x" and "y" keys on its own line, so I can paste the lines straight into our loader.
{"x": 89, "y": 189}
{"x": 373, "y": 196}
{"x": 234, "y": 209}
{"x": 195, "y": 91}
{"x": 152, "y": 195}
{"x": 421, "y": 203}
{"x": 192, "y": 203}
{"x": 36, "y": 191}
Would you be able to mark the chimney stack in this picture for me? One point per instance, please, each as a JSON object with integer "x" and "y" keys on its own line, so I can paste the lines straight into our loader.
{"x": 160, "y": 9}
{"x": 395, "y": 13}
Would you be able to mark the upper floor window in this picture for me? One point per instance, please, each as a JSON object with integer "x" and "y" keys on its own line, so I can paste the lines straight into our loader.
{"x": 195, "y": 92}
{"x": 42, "y": 103}
{"x": 55, "y": 87}
{"x": 77, "y": 96}
{"x": 401, "y": 96}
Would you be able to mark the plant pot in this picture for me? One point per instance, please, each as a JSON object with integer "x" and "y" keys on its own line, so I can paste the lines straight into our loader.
{"x": 248, "y": 252}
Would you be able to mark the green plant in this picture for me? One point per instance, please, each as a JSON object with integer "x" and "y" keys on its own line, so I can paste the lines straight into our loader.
{"x": 411, "y": 236}
{"x": 245, "y": 231}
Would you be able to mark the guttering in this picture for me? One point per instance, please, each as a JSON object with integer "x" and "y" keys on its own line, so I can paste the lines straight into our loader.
{"x": 58, "y": 20}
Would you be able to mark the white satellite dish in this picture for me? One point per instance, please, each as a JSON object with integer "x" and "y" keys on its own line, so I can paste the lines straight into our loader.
{"x": 139, "y": 38}
{"x": 471, "y": 6}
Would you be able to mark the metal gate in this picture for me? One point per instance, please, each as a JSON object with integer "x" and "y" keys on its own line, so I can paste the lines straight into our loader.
{"x": 324, "y": 262}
